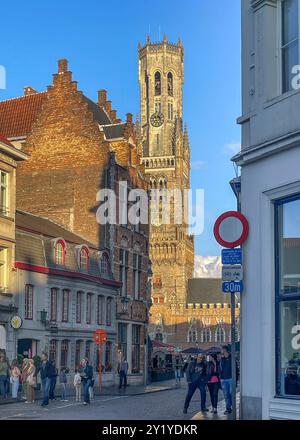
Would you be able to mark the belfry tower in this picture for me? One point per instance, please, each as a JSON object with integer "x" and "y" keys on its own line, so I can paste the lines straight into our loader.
{"x": 165, "y": 152}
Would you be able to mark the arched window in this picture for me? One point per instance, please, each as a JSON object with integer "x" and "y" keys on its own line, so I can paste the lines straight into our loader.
{"x": 192, "y": 336}
{"x": 170, "y": 84}
{"x": 60, "y": 253}
{"x": 53, "y": 350}
{"x": 104, "y": 263}
{"x": 84, "y": 258}
{"x": 206, "y": 335}
{"x": 157, "y": 80}
{"x": 220, "y": 335}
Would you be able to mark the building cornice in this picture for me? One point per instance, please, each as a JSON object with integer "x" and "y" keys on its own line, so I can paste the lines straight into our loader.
{"x": 257, "y": 4}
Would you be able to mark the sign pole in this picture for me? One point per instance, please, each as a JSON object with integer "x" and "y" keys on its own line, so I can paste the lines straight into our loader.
{"x": 233, "y": 354}
{"x": 100, "y": 367}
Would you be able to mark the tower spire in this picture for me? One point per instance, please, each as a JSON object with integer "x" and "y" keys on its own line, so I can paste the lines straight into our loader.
{"x": 165, "y": 37}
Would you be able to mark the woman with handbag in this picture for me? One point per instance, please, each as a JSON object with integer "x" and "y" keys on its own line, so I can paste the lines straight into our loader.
{"x": 31, "y": 382}
{"x": 15, "y": 374}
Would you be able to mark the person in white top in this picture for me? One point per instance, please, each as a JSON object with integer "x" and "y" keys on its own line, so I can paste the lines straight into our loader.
{"x": 77, "y": 385}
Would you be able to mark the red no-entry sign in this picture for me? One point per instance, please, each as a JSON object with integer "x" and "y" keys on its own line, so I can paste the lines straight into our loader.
{"x": 231, "y": 229}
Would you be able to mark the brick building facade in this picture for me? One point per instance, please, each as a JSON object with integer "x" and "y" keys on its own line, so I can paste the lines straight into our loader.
{"x": 77, "y": 147}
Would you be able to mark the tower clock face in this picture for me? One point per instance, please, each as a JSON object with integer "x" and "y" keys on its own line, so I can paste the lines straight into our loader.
{"x": 157, "y": 119}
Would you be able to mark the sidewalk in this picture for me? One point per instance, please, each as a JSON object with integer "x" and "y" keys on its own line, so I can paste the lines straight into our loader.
{"x": 221, "y": 409}
{"x": 106, "y": 391}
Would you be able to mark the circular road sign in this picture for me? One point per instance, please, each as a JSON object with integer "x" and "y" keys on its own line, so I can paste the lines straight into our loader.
{"x": 231, "y": 229}
{"x": 100, "y": 336}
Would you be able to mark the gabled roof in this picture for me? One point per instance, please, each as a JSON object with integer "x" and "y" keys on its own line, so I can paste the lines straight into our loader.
{"x": 18, "y": 114}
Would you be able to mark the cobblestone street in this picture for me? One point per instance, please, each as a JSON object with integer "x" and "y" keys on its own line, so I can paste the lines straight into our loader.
{"x": 157, "y": 405}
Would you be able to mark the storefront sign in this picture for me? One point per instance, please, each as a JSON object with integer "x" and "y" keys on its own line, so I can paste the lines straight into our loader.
{"x": 138, "y": 311}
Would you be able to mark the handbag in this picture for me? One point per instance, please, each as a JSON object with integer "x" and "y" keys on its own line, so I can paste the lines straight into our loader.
{"x": 31, "y": 381}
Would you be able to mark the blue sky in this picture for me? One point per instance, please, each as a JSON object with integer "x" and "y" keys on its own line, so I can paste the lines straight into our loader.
{"x": 100, "y": 40}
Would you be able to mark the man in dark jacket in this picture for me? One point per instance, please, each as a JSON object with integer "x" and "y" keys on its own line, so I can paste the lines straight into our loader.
{"x": 45, "y": 372}
{"x": 196, "y": 376}
{"x": 86, "y": 374}
{"x": 226, "y": 378}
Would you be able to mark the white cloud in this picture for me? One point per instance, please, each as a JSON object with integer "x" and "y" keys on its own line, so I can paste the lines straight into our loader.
{"x": 197, "y": 164}
{"x": 207, "y": 267}
{"x": 233, "y": 147}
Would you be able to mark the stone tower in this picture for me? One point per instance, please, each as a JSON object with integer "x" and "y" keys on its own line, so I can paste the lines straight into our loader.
{"x": 164, "y": 148}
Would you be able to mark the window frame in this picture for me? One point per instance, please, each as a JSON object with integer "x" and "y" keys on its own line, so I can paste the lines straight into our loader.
{"x": 280, "y": 297}
{"x": 280, "y": 27}
{"x": 79, "y": 298}
{"x": 4, "y": 209}
{"x": 62, "y": 244}
{"x": 53, "y": 310}
{"x": 89, "y": 307}
{"x": 84, "y": 259}
{"x": 65, "y": 305}
{"x": 29, "y": 302}
{"x": 100, "y": 300}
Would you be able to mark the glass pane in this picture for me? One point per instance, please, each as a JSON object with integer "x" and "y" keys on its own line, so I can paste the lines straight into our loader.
{"x": 289, "y": 247}
{"x": 289, "y": 381}
{"x": 290, "y": 58}
{"x": 289, "y": 21}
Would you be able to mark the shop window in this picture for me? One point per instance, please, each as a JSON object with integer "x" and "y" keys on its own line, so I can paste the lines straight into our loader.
{"x": 122, "y": 339}
{"x": 53, "y": 350}
{"x": 136, "y": 348}
{"x": 108, "y": 356}
{"x": 64, "y": 353}
{"x": 287, "y": 257}
{"x": 78, "y": 351}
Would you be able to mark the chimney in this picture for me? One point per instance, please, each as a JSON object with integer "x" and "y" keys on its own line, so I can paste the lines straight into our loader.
{"x": 28, "y": 90}
{"x": 129, "y": 118}
{"x": 62, "y": 65}
{"x": 102, "y": 97}
{"x": 107, "y": 106}
{"x": 113, "y": 115}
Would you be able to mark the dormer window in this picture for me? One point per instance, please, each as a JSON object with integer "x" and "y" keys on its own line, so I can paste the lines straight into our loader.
{"x": 104, "y": 263}
{"x": 60, "y": 247}
{"x": 84, "y": 258}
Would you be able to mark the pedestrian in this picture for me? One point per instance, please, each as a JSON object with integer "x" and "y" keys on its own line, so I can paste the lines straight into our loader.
{"x": 123, "y": 370}
{"x": 196, "y": 375}
{"x": 15, "y": 374}
{"x": 177, "y": 370}
{"x": 86, "y": 378}
{"x": 24, "y": 368}
{"x": 53, "y": 379}
{"x": 4, "y": 372}
{"x": 77, "y": 385}
{"x": 213, "y": 371}
{"x": 45, "y": 372}
{"x": 226, "y": 378}
{"x": 63, "y": 384}
{"x": 31, "y": 382}
{"x": 91, "y": 389}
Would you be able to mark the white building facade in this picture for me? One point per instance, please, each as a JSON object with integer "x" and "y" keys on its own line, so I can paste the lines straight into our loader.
{"x": 270, "y": 199}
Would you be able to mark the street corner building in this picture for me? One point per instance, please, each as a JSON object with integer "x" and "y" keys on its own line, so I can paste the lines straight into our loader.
{"x": 75, "y": 148}
{"x": 270, "y": 199}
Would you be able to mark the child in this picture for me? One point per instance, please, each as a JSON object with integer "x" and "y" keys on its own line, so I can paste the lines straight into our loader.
{"x": 63, "y": 383}
{"x": 77, "y": 385}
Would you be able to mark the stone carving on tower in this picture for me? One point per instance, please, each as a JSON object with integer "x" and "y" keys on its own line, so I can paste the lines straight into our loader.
{"x": 165, "y": 153}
